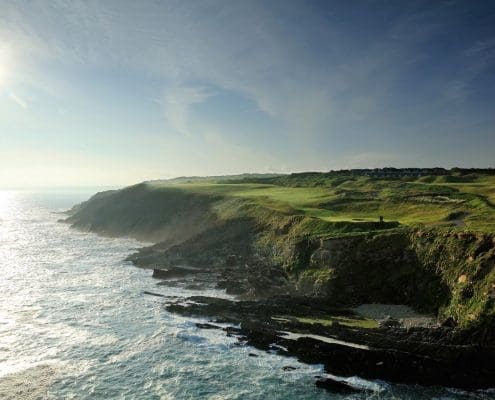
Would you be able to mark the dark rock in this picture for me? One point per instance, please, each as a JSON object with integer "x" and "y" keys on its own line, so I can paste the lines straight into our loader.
{"x": 427, "y": 356}
{"x": 231, "y": 260}
{"x": 207, "y": 326}
{"x": 253, "y": 355}
{"x": 289, "y": 368}
{"x": 170, "y": 283}
{"x": 233, "y": 287}
{"x": 389, "y": 322}
{"x": 449, "y": 323}
{"x": 154, "y": 294}
{"x": 173, "y": 272}
{"x": 232, "y": 330}
{"x": 335, "y": 386}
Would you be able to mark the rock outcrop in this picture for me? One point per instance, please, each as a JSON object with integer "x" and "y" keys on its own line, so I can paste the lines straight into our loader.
{"x": 439, "y": 356}
{"x": 294, "y": 267}
{"x": 257, "y": 252}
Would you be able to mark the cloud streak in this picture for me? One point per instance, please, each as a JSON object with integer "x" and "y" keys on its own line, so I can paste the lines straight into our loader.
{"x": 177, "y": 103}
{"x": 18, "y": 100}
{"x": 327, "y": 84}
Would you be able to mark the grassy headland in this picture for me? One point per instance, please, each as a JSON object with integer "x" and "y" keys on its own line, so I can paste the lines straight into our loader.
{"x": 434, "y": 249}
{"x": 465, "y": 200}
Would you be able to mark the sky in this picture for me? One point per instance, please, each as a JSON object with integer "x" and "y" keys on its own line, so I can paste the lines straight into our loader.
{"x": 116, "y": 92}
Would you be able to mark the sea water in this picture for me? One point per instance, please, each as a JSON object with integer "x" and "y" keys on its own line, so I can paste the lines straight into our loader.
{"x": 75, "y": 323}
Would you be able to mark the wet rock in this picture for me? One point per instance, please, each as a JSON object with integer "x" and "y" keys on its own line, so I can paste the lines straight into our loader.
{"x": 154, "y": 294}
{"x": 207, "y": 326}
{"x": 173, "y": 272}
{"x": 427, "y": 356}
{"x": 335, "y": 386}
{"x": 231, "y": 330}
{"x": 233, "y": 287}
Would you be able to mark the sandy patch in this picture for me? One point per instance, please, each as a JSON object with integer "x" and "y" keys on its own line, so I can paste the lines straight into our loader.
{"x": 405, "y": 314}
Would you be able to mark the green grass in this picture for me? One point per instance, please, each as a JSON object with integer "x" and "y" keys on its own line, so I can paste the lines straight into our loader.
{"x": 330, "y": 320}
{"x": 425, "y": 201}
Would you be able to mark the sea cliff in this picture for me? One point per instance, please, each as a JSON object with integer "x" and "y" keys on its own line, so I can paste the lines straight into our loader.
{"x": 256, "y": 241}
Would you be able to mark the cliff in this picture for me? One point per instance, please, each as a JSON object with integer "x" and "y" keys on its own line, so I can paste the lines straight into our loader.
{"x": 447, "y": 272}
{"x": 144, "y": 213}
{"x": 264, "y": 245}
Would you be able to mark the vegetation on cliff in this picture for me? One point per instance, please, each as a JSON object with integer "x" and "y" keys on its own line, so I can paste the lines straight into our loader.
{"x": 434, "y": 250}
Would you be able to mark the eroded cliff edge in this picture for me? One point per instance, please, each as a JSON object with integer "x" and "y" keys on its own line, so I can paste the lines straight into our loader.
{"x": 259, "y": 251}
{"x": 301, "y": 252}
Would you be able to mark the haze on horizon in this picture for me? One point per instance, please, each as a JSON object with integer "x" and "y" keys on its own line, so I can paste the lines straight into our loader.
{"x": 116, "y": 92}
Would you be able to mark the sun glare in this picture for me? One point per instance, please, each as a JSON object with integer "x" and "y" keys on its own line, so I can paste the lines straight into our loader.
{"x": 3, "y": 74}
{"x": 6, "y": 200}
{"x": 4, "y": 61}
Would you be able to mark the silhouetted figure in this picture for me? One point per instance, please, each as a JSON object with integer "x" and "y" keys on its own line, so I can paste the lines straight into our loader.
{"x": 381, "y": 219}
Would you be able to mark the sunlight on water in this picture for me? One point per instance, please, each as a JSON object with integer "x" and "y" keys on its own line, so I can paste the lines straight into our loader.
{"x": 6, "y": 201}
{"x": 75, "y": 324}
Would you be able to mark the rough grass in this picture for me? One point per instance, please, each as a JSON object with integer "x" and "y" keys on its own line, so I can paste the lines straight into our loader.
{"x": 428, "y": 201}
{"x": 347, "y": 321}
{"x": 446, "y": 270}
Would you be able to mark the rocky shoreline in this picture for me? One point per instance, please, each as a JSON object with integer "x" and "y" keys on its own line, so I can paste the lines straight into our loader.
{"x": 297, "y": 292}
{"x": 272, "y": 315}
{"x": 426, "y": 356}
{"x": 344, "y": 341}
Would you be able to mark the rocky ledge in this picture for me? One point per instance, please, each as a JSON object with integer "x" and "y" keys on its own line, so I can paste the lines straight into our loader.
{"x": 289, "y": 326}
{"x": 272, "y": 258}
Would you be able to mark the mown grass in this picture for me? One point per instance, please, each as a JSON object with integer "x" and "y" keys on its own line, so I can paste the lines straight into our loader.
{"x": 429, "y": 201}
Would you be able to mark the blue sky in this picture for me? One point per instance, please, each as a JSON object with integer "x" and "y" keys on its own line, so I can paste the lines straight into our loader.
{"x": 115, "y": 92}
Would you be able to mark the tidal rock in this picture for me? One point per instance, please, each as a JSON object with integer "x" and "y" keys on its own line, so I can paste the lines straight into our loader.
{"x": 207, "y": 326}
{"x": 173, "y": 272}
{"x": 154, "y": 294}
{"x": 335, "y": 386}
{"x": 426, "y": 356}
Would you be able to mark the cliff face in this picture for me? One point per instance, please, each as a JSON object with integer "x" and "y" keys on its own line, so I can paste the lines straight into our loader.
{"x": 145, "y": 213}
{"x": 446, "y": 271}
{"x": 465, "y": 263}
{"x": 379, "y": 268}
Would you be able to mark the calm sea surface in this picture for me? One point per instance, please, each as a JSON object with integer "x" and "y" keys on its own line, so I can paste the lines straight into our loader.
{"x": 75, "y": 324}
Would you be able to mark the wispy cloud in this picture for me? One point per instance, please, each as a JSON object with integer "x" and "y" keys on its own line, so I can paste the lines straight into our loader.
{"x": 177, "y": 102}
{"x": 334, "y": 81}
{"x": 18, "y": 100}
